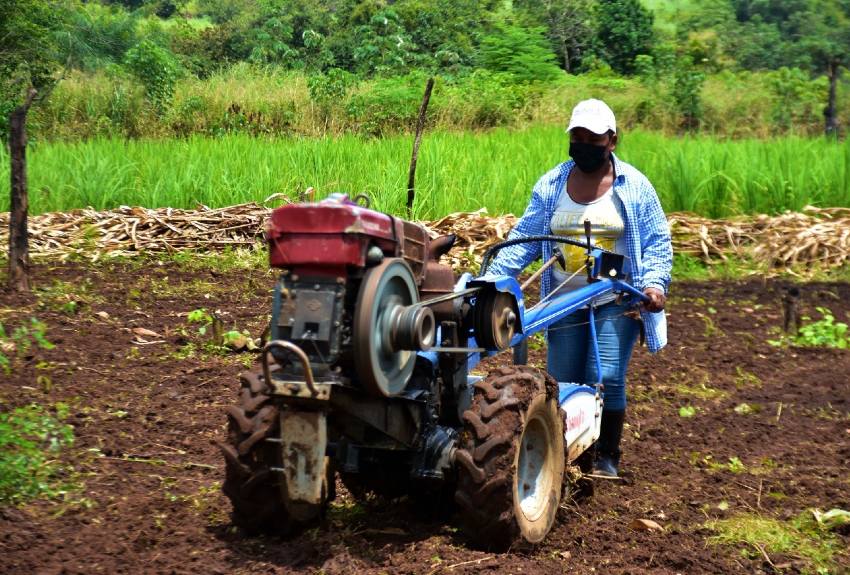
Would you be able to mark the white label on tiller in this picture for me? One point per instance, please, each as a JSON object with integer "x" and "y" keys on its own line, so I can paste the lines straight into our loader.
{"x": 581, "y": 422}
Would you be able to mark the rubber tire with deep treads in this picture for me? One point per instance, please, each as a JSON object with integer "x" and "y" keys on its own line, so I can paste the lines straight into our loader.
{"x": 503, "y": 405}
{"x": 250, "y": 483}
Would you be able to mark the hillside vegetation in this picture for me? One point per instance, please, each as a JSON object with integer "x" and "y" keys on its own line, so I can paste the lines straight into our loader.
{"x": 157, "y": 68}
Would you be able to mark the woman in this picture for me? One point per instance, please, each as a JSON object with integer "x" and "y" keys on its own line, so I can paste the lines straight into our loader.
{"x": 626, "y": 217}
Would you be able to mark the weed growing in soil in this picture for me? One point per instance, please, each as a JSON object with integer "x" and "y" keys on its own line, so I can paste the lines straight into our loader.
{"x": 66, "y": 297}
{"x": 746, "y": 379}
{"x": 224, "y": 261}
{"x": 20, "y": 341}
{"x": 747, "y": 409}
{"x": 201, "y": 501}
{"x": 711, "y": 329}
{"x": 798, "y": 537}
{"x": 686, "y": 385}
{"x": 30, "y": 441}
{"x": 734, "y": 464}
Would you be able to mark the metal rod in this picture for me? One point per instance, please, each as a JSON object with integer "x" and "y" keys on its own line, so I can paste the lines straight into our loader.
{"x": 458, "y": 349}
{"x": 591, "y": 318}
{"x": 539, "y": 272}
{"x": 554, "y": 292}
{"x": 448, "y": 296}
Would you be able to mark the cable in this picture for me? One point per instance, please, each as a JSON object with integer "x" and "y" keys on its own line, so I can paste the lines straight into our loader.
{"x": 485, "y": 261}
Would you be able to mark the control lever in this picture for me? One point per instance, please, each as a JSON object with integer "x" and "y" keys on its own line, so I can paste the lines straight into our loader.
{"x": 588, "y": 262}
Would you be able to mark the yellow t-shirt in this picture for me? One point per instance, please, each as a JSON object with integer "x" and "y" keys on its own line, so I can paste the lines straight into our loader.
{"x": 606, "y": 231}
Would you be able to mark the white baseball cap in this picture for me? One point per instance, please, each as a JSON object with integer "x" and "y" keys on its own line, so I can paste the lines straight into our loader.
{"x": 593, "y": 115}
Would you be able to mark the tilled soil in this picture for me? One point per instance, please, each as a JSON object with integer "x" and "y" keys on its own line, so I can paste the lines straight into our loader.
{"x": 146, "y": 416}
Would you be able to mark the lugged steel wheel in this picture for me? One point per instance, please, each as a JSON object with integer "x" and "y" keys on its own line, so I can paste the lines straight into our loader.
{"x": 250, "y": 481}
{"x": 511, "y": 460}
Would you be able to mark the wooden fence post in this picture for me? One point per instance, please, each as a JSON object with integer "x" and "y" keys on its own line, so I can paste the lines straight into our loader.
{"x": 19, "y": 259}
{"x": 420, "y": 126}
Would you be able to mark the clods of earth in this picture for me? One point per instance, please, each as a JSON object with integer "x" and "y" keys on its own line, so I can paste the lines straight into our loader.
{"x": 727, "y": 434}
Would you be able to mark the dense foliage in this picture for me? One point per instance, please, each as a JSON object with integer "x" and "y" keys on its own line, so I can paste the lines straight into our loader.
{"x": 517, "y": 50}
{"x": 29, "y": 31}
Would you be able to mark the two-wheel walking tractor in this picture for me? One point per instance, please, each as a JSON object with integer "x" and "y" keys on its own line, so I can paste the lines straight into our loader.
{"x": 368, "y": 376}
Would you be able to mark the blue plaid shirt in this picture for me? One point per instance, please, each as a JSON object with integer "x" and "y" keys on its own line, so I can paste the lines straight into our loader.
{"x": 647, "y": 236}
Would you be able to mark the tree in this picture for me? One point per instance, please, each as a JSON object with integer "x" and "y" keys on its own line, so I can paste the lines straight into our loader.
{"x": 825, "y": 43}
{"x": 382, "y": 46}
{"x": 757, "y": 45}
{"x": 687, "y": 89}
{"x": 445, "y": 32}
{"x": 811, "y": 34}
{"x": 523, "y": 52}
{"x": 28, "y": 62}
{"x": 97, "y": 35}
{"x": 623, "y": 30}
{"x": 568, "y": 23}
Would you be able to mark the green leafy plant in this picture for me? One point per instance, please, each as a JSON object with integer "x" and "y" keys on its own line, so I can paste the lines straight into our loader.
{"x": 733, "y": 464}
{"x": 744, "y": 378}
{"x": 200, "y": 316}
{"x": 687, "y": 411}
{"x": 65, "y": 297}
{"x": 825, "y": 332}
{"x": 30, "y": 441}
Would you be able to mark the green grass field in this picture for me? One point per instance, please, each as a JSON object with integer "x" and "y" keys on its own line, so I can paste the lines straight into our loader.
{"x": 456, "y": 172}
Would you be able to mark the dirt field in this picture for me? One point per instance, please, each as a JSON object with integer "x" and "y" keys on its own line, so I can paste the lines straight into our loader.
{"x": 147, "y": 415}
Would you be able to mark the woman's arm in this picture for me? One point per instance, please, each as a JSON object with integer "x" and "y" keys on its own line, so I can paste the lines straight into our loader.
{"x": 655, "y": 242}
{"x": 513, "y": 259}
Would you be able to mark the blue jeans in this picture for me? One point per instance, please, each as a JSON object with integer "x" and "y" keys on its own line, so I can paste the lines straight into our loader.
{"x": 570, "y": 355}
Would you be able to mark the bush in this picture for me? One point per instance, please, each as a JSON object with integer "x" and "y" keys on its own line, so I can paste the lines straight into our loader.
{"x": 392, "y": 105}
{"x": 485, "y": 99}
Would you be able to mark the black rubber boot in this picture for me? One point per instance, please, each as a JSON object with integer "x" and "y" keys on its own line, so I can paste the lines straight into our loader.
{"x": 608, "y": 446}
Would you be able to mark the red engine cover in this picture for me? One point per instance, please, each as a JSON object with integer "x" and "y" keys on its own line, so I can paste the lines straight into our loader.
{"x": 326, "y": 237}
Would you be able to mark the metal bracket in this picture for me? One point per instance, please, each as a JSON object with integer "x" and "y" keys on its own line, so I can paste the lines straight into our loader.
{"x": 299, "y": 390}
{"x": 299, "y": 353}
{"x": 304, "y": 439}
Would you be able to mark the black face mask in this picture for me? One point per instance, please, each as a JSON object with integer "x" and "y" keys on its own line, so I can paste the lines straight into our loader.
{"x": 588, "y": 157}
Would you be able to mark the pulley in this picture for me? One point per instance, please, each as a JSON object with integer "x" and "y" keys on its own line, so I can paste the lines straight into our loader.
{"x": 389, "y": 327}
{"x": 494, "y": 319}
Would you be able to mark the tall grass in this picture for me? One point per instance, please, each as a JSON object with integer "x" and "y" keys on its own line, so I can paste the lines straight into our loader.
{"x": 273, "y": 102}
{"x": 455, "y": 171}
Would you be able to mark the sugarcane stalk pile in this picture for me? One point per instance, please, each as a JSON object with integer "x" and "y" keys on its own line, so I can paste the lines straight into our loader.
{"x": 814, "y": 239}
{"x": 129, "y": 231}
